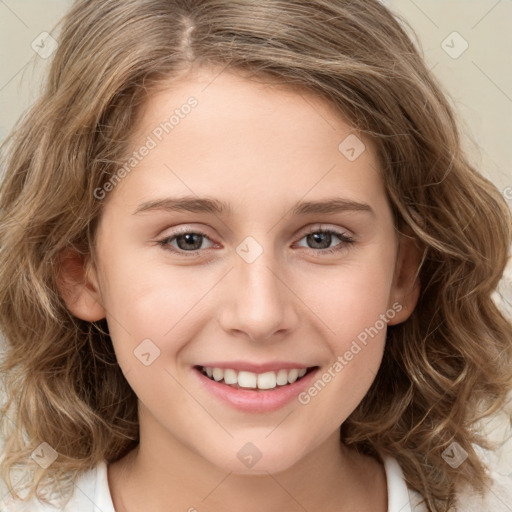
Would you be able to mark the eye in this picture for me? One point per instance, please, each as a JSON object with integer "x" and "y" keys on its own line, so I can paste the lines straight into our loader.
{"x": 187, "y": 242}
{"x": 190, "y": 243}
{"x": 321, "y": 239}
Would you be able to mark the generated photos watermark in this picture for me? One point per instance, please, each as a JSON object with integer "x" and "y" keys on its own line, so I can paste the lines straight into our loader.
{"x": 341, "y": 361}
{"x": 152, "y": 140}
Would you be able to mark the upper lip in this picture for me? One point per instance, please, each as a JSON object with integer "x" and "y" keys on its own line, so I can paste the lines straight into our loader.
{"x": 256, "y": 367}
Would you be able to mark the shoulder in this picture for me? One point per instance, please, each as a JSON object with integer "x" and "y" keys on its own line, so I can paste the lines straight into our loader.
{"x": 82, "y": 494}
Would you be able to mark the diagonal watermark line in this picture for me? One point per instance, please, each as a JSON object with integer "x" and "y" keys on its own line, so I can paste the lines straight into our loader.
{"x": 118, "y": 322}
{"x": 215, "y": 77}
{"x": 498, "y": 498}
{"x": 486, "y": 14}
{"x": 216, "y": 216}
{"x": 372, "y": 372}
{"x": 96, "y": 506}
{"x": 492, "y": 81}
{"x": 312, "y": 187}
{"x": 314, "y": 108}
{"x": 78, "y": 77}
{"x": 217, "y": 486}
{"x": 5, "y": 415}
{"x": 200, "y": 404}
{"x": 424, "y": 13}
{"x": 406, "y": 506}
{"x": 280, "y": 423}
{"x": 198, "y": 301}
{"x": 300, "y": 299}
{"x": 3, "y": 3}
{"x": 287, "y": 492}
{"x": 16, "y": 74}
{"x": 11, "y": 491}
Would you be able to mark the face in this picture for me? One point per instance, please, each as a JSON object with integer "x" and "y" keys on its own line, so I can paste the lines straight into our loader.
{"x": 265, "y": 278}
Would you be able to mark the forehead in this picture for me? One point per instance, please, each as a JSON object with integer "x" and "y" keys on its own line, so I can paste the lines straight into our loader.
{"x": 216, "y": 132}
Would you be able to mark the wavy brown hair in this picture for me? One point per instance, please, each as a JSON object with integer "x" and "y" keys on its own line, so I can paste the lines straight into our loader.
{"x": 448, "y": 366}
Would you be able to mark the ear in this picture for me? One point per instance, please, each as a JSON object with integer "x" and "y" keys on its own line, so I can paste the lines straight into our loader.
{"x": 78, "y": 286}
{"x": 406, "y": 285}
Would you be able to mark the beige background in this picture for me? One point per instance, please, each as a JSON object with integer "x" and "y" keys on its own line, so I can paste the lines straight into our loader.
{"x": 478, "y": 80}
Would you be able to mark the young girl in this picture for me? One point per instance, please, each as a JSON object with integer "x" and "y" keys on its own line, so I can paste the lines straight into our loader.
{"x": 179, "y": 334}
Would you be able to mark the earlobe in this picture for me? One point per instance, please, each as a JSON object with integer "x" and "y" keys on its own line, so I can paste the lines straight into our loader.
{"x": 78, "y": 286}
{"x": 406, "y": 285}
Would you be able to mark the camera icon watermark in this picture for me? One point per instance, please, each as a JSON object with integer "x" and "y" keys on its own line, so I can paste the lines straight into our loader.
{"x": 249, "y": 455}
{"x": 44, "y": 45}
{"x": 351, "y": 147}
{"x": 455, "y": 455}
{"x": 454, "y": 45}
{"x": 146, "y": 352}
{"x": 249, "y": 249}
{"x": 44, "y": 455}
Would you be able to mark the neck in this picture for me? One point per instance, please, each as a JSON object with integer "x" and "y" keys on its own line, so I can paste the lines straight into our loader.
{"x": 173, "y": 477}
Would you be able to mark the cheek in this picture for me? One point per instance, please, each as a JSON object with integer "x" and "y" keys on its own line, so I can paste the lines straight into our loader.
{"x": 149, "y": 300}
{"x": 355, "y": 308}
{"x": 349, "y": 298}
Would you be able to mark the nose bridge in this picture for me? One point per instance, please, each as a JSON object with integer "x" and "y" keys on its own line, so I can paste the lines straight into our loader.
{"x": 258, "y": 303}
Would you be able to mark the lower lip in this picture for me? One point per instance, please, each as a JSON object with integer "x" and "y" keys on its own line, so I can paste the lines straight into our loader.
{"x": 256, "y": 401}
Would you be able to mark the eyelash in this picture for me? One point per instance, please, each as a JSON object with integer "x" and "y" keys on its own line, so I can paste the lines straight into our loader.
{"x": 346, "y": 241}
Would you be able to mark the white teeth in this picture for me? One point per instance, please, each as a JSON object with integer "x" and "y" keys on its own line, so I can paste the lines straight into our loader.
{"x": 293, "y": 375}
{"x": 247, "y": 379}
{"x": 230, "y": 376}
{"x": 267, "y": 380}
{"x": 250, "y": 380}
{"x": 282, "y": 377}
{"x": 218, "y": 374}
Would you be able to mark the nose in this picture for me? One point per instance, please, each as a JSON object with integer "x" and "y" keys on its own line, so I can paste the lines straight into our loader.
{"x": 258, "y": 302}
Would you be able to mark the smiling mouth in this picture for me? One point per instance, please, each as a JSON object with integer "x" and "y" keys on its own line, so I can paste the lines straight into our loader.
{"x": 255, "y": 381}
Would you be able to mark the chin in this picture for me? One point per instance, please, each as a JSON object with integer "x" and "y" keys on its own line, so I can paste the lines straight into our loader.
{"x": 247, "y": 459}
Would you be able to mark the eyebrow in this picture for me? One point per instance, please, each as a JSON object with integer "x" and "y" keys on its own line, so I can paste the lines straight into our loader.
{"x": 209, "y": 205}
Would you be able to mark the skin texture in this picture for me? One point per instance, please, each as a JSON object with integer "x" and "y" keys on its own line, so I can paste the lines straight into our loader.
{"x": 261, "y": 148}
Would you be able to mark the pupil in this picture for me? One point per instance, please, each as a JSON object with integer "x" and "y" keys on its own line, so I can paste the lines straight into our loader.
{"x": 189, "y": 238}
{"x": 318, "y": 236}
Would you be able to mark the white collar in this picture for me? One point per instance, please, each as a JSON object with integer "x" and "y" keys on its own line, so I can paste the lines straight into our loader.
{"x": 398, "y": 494}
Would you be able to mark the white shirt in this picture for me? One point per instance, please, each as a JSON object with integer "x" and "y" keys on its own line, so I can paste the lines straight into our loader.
{"x": 92, "y": 494}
